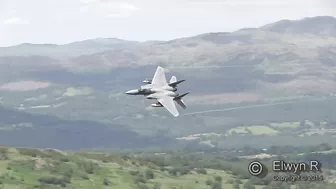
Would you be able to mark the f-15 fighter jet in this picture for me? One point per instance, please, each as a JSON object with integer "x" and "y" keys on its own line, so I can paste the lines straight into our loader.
{"x": 158, "y": 89}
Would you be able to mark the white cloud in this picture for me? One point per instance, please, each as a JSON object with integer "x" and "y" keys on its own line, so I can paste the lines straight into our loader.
{"x": 12, "y": 12}
{"x": 117, "y": 15}
{"x": 108, "y": 9}
{"x": 245, "y": 2}
{"x": 88, "y": 1}
{"x": 84, "y": 9}
{"x": 16, "y": 20}
{"x": 127, "y": 6}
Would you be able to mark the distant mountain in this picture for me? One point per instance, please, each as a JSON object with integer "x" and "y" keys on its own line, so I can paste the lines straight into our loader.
{"x": 89, "y": 46}
{"x": 273, "y": 57}
{"x": 100, "y": 42}
{"x": 321, "y": 25}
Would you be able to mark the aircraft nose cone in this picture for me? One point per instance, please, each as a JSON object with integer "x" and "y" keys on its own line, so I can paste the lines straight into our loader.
{"x": 130, "y": 92}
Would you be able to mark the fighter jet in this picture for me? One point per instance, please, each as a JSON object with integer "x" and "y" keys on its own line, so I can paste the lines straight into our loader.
{"x": 177, "y": 99}
{"x": 158, "y": 89}
{"x": 172, "y": 82}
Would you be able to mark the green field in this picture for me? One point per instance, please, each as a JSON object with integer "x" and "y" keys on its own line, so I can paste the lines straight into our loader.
{"x": 77, "y": 91}
{"x": 260, "y": 130}
{"x": 254, "y": 130}
{"x": 286, "y": 125}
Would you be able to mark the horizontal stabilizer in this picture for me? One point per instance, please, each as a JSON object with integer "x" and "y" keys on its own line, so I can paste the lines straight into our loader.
{"x": 174, "y": 84}
{"x": 181, "y": 96}
{"x": 180, "y": 102}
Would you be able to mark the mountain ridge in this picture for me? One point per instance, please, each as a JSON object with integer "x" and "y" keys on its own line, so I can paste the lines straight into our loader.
{"x": 290, "y": 59}
{"x": 280, "y": 23}
{"x": 319, "y": 25}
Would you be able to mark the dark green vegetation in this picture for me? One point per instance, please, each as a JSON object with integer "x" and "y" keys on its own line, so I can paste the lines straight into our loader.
{"x": 304, "y": 123}
{"x": 50, "y": 168}
{"x": 23, "y": 129}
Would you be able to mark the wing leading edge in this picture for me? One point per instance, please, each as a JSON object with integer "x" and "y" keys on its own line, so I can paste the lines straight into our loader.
{"x": 159, "y": 78}
{"x": 168, "y": 103}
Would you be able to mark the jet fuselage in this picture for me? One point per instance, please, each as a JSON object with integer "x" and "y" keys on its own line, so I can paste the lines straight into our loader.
{"x": 167, "y": 93}
{"x": 145, "y": 90}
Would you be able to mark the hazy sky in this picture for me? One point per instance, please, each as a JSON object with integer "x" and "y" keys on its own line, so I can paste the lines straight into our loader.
{"x": 64, "y": 21}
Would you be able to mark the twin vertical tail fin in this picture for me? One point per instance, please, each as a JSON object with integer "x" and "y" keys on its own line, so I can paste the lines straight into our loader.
{"x": 173, "y": 82}
{"x": 172, "y": 79}
{"x": 179, "y": 100}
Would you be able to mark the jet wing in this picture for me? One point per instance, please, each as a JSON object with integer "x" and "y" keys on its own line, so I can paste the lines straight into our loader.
{"x": 159, "y": 78}
{"x": 168, "y": 103}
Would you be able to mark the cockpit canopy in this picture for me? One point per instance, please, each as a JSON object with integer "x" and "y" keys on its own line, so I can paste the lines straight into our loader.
{"x": 141, "y": 90}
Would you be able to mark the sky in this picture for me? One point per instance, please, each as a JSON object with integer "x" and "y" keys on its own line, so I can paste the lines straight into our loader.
{"x": 65, "y": 21}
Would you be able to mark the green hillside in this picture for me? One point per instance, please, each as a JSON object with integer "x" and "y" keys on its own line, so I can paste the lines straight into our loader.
{"x": 34, "y": 168}
{"x": 50, "y": 168}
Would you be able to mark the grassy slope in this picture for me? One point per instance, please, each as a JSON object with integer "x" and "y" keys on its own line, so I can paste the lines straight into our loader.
{"x": 21, "y": 170}
{"x": 24, "y": 168}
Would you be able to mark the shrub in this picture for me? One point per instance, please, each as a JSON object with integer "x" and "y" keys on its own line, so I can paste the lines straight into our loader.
{"x": 64, "y": 159}
{"x": 142, "y": 186}
{"x": 216, "y": 185}
{"x": 149, "y": 174}
{"x": 133, "y": 173}
{"x": 157, "y": 186}
{"x": 139, "y": 179}
{"x": 51, "y": 180}
{"x": 201, "y": 171}
{"x": 208, "y": 182}
{"x": 218, "y": 178}
{"x": 106, "y": 182}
